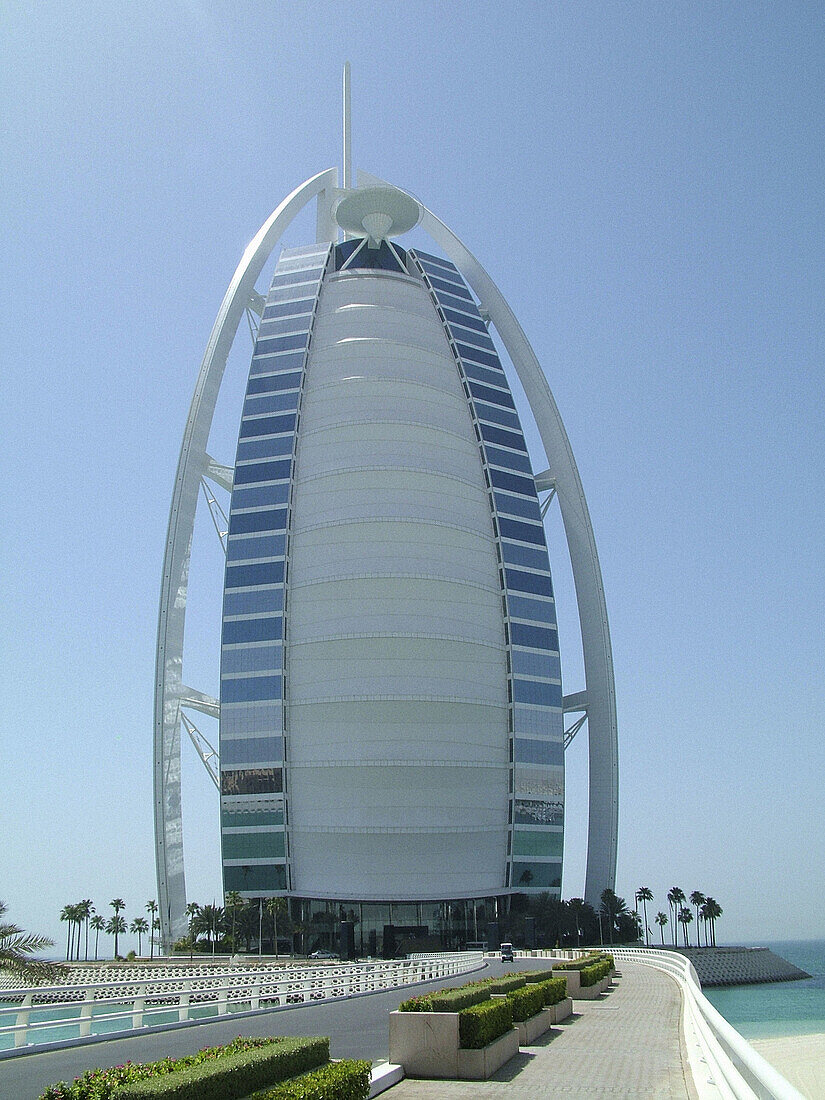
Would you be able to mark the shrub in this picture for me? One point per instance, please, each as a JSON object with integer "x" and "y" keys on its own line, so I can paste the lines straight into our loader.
{"x": 532, "y": 977}
{"x": 345, "y": 1080}
{"x": 554, "y": 990}
{"x": 594, "y": 973}
{"x": 102, "y": 1084}
{"x": 502, "y": 985}
{"x": 483, "y": 1023}
{"x": 578, "y": 964}
{"x": 526, "y": 1002}
{"x": 446, "y": 1000}
{"x": 234, "y": 1076}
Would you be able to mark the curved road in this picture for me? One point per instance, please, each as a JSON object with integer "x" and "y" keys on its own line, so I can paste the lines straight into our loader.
{"x": 626, "y": 1044}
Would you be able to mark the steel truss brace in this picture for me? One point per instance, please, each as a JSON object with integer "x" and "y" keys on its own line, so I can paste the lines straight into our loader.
{"x": 199, "y": 700}
{"x": 208, "y": 755}
{"x": 545, "y": 483}
{"x": 220, "y": 474}
{"x": 572, "y": 704}
{"x": 219, "y": 517}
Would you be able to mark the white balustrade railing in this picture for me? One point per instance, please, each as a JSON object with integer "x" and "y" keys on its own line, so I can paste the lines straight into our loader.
{"x": 135, "y": 1002}
{"x": 723, "y": 1063}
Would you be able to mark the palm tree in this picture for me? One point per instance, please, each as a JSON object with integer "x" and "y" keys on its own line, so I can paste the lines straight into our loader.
{"x": 152, "y": 908}
{"x": 675, "y": 898}
{"x": 577, "y": 908}
{"x": 274, "y": 907}
{"x": 99, "y": 924}
{"x": 234, "y": 901}
{"x": 84, "y": 912}
{"x": 644, "y": 895}
{"x": 685, "y": 917}
{"x": 116, "y": 926}
{"x": 612, "y": 905}
{"x": 697, "y": 900}
{"x": 16, "y": 947}
{"x": 66, "y": 915}
{"x": 210, "y": 920}
{"x": 661, "y": 920}
{"x": 192, "y": 910}
{"x": 713, "y": 910}
{"x": 140, "y": 925}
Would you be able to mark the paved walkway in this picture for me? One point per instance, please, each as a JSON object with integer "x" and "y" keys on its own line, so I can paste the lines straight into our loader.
{"x": 624, "y": 1045}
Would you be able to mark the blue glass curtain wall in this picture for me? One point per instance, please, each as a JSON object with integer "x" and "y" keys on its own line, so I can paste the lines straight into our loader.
{"x": 535, "y": 677}
{"x": 254, "y": 810}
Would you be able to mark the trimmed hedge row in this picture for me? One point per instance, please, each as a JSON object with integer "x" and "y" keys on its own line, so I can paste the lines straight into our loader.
{"x": 505, "y": 984}
{"x": 554, "y": 990}
{"x": 534, "y": 976}
{"x": 526, "y": 1002}
{"x": 347, "y": 1080}
{"x": 102, "y": 1084}
{"x": 234, "y": 1076}
{"x": 590, "y": 975}
{"x": 446, "y": 1000}
{"x": 483, "y": 1023}
{"x": 578, "y": 964}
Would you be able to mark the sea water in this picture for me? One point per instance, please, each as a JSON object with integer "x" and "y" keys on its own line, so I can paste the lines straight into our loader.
{"x": 778, "y": 1009}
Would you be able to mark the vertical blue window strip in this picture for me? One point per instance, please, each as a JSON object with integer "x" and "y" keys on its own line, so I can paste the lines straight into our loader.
{"x": 258, "y": 526}
{"x": 536, "y": 703}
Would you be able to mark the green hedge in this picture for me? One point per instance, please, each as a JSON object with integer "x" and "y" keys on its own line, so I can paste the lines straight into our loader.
{"x": 532, "y": 977}
{"x": 505, "y": 984}
{"x": 102, "y": 1084}
{"x": 483, "y": 1023}
{"x": 446, "y": 1000}
{"x": 578, "y": 964}
{"x": 345, "y": 1080}
{"x": 590, "y": 975}
{"x": 526, "y": 1002}
{"x": 554, "y": 990}
{"x": 234, "y": 1076}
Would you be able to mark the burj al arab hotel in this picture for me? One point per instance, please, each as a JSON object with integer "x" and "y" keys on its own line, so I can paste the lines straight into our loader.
{"x": 391, "y": 711}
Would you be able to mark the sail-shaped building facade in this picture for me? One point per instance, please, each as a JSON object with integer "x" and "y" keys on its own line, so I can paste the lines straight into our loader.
{"x": 391, "y": 708}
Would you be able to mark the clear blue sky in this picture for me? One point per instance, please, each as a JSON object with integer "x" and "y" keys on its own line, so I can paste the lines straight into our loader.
{"x": 644, "y": 182}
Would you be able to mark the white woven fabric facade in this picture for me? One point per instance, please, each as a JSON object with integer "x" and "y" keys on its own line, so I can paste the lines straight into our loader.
{"x": 396, "y": 674}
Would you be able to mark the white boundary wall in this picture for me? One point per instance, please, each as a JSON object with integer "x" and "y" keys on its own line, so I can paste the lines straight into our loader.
{"x": 134, "y": 1001}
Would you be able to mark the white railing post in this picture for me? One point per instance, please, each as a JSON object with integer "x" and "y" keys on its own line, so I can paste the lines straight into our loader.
{"x": 183, "y": 1006}
{"x": 137, "y": 1011}
{"x": 23, "y": 1021}
{"x": 86, "y": 1013}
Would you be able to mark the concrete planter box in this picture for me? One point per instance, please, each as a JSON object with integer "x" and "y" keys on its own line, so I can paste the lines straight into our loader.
{"x": 529, "y": 1030}
{"x": 560, "y": 1011}
{"x": 574, "y": 980}
{"x": 478, "y": 1065}
{"x": 591, "y": 992}
{"x": 426, "y": 1045}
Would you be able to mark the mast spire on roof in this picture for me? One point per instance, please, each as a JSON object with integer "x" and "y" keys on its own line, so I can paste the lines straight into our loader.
{"x": 347, "y": 129}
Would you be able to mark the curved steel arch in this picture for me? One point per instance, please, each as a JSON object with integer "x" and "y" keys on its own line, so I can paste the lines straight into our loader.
{"x": 600, "y": 691}
{"x": 192, "y": 464}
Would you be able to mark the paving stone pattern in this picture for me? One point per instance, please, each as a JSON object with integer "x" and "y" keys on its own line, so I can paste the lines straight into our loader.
{"x": 626, "y": 1044}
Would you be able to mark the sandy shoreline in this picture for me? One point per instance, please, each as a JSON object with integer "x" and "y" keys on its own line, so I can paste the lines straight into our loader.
{"x": 799, "y": 1058}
